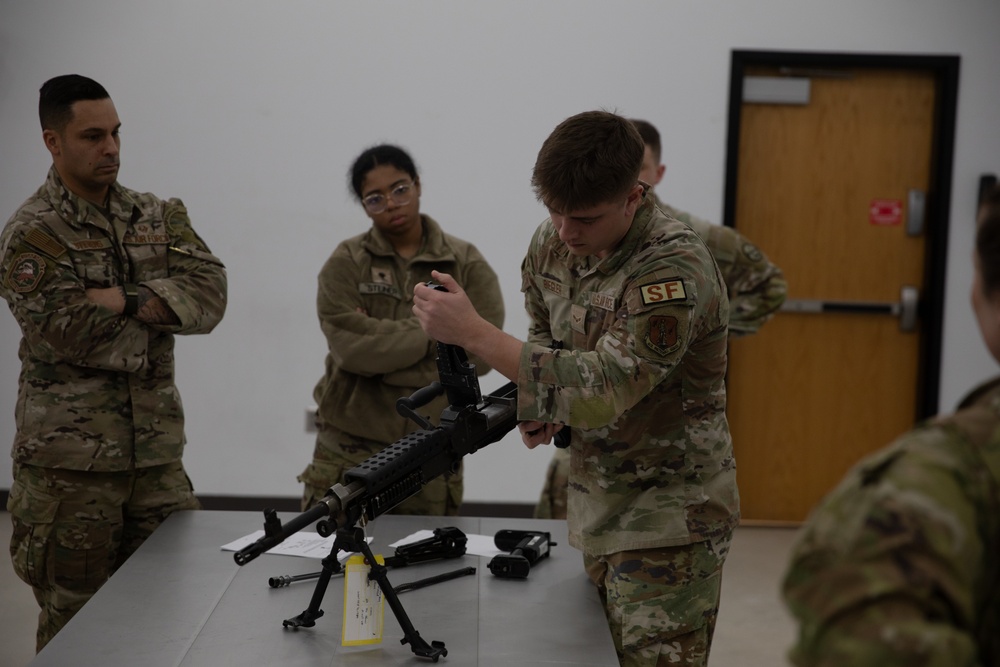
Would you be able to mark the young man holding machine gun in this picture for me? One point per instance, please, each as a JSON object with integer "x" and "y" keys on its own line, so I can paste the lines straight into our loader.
{"x": 639, "y": 307}
{"x": 755, "y": 286}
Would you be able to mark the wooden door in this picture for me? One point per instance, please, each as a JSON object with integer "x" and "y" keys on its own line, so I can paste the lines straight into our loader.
{"x": 824, "y": 188}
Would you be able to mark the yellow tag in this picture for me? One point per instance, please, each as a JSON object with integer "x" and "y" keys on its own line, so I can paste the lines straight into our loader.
{"x": 364, "y": 606}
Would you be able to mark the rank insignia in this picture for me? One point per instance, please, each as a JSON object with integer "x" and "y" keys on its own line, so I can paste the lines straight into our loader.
{"x": 578, "y": 318}
{"x": 381, "y": 275}
{"x": 26, "y": 272}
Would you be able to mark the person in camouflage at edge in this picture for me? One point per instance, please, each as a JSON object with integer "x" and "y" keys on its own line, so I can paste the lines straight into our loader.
{"x": 756, "y": 290}
{"x": 900, "y": 564}
{"x": 640, "y": 309}
{"x": 377, "y": 351}
{"x": 99, "y": 278}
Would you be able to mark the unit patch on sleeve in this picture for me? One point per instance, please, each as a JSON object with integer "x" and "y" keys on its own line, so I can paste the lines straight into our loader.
{"x": 661, "y": 336}
{"x": 752, "y": 252}
{"x": 26, "y": 272}
{"x": 671, "y": 289}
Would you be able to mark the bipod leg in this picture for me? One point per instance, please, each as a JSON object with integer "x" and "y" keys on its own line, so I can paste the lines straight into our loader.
{"x": 331, "y": 566}
{"x": 435, "y": 649}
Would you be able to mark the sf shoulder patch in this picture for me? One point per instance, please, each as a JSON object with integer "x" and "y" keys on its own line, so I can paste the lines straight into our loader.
{"x": 661, "y": 334}
{"x": 671, "y": 289}
{"x": 26, "y": 272}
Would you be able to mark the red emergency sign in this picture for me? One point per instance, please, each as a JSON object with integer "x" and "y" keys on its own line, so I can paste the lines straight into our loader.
{"x": 885, "y": 212}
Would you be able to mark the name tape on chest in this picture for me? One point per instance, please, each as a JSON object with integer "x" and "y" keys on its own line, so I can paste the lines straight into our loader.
{"x": 90, "y": 244}
{"x": 380, "y": 288}
{"x": 663, "y": 292}
{"x": 555, "y": 287}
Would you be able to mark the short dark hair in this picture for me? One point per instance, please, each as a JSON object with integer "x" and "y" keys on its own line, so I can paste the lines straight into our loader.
{"x": 988, "y": 240}
{"x": 589, "y": 159}
{"x": 57, "y": 95}
{"x": 650, "y": 136}
{"x": 376, "y": 156}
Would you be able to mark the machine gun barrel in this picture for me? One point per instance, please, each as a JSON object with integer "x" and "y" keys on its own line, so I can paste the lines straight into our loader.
{"x": 276, "y": 532}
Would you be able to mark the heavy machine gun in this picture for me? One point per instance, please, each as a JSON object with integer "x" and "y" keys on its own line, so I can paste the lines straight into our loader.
{"x": 470, "y": 422}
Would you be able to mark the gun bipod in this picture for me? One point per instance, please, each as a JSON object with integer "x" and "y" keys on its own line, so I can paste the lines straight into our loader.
{"x": 353, "y": 540}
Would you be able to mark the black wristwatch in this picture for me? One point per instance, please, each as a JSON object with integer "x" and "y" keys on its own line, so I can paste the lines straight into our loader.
{"x": 131, "y": 298}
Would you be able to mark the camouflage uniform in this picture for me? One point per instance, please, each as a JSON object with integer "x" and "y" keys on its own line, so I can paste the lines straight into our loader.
{"x": 899, "y": 564}
{"x": 97, "y": 452}
{"x": 652, "y": 496}
{"x": 381, "y": 354}
{"x": 756, "y": 287}
{"x": 756, "y": 290}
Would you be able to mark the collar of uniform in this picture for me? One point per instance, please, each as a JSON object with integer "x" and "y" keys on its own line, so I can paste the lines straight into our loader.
{"x": 977, "y": 394}
{"x": 629, "y": 245}
{"x": 78, "y": 211}
{"x": 434, "y": 246}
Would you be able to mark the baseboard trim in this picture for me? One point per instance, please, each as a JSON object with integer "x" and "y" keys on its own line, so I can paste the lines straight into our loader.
{"x": 291, "y": 504}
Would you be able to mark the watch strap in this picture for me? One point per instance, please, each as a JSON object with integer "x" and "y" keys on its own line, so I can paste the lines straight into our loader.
{"x": 131, "y": 298}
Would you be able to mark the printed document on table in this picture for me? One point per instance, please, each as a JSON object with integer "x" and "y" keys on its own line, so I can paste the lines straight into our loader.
{"x": 302, "y": 543}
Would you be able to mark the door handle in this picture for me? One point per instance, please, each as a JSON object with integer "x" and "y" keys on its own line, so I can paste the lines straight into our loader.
{"x": 905, "y": 309}
{"x": 916, "y": 212}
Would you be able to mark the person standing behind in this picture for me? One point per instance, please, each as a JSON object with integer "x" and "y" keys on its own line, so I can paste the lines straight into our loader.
{"x": 756, "y": 289}
{"x": 756, "y": 286}
{"x": 899, "y": 564}
{"x": 637, "y": 305}
{"x": 377, "y": 351}
{"x": 99, "y": 278}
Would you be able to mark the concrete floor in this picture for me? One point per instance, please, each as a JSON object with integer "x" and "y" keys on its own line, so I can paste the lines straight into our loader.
{"x": 753, "y": 630}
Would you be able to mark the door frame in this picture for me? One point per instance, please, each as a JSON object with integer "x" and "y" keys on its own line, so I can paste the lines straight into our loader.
{"x": 938, "y": 200}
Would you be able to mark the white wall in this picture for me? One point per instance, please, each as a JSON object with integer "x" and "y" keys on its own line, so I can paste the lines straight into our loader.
{"x": 251, "y": 111}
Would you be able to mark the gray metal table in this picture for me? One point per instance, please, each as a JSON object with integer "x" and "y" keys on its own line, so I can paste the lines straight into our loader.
{"x": 182, "y": 601}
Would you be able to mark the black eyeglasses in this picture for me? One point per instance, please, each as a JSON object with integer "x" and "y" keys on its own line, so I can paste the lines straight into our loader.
{"x": 401, "y": 194}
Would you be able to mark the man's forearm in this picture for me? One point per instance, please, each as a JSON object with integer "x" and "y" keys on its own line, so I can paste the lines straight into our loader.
{"x": 154, "y": 310}
{"x": 150, "y": 308}
{"x": 498, "y": 349}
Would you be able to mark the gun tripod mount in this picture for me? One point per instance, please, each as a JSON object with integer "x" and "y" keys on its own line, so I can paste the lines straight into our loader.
{"x": 526, "y": 548}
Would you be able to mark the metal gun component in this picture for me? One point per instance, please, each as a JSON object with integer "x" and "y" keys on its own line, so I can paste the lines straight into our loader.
{"x": 525, "y": 547}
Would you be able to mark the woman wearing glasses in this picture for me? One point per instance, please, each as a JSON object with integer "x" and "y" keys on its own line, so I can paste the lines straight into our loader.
{"x": 377, "y": 351}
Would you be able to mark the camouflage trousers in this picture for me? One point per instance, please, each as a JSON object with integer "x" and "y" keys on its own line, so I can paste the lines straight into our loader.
{"x": 72, "y": 529}
{"x": 336, "y": 452}
{"x": 552, "y": 502}
{"x": 662, "y": 604}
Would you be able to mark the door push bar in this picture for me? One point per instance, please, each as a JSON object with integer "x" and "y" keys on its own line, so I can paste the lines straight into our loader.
{"x": 905, "y": 309}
